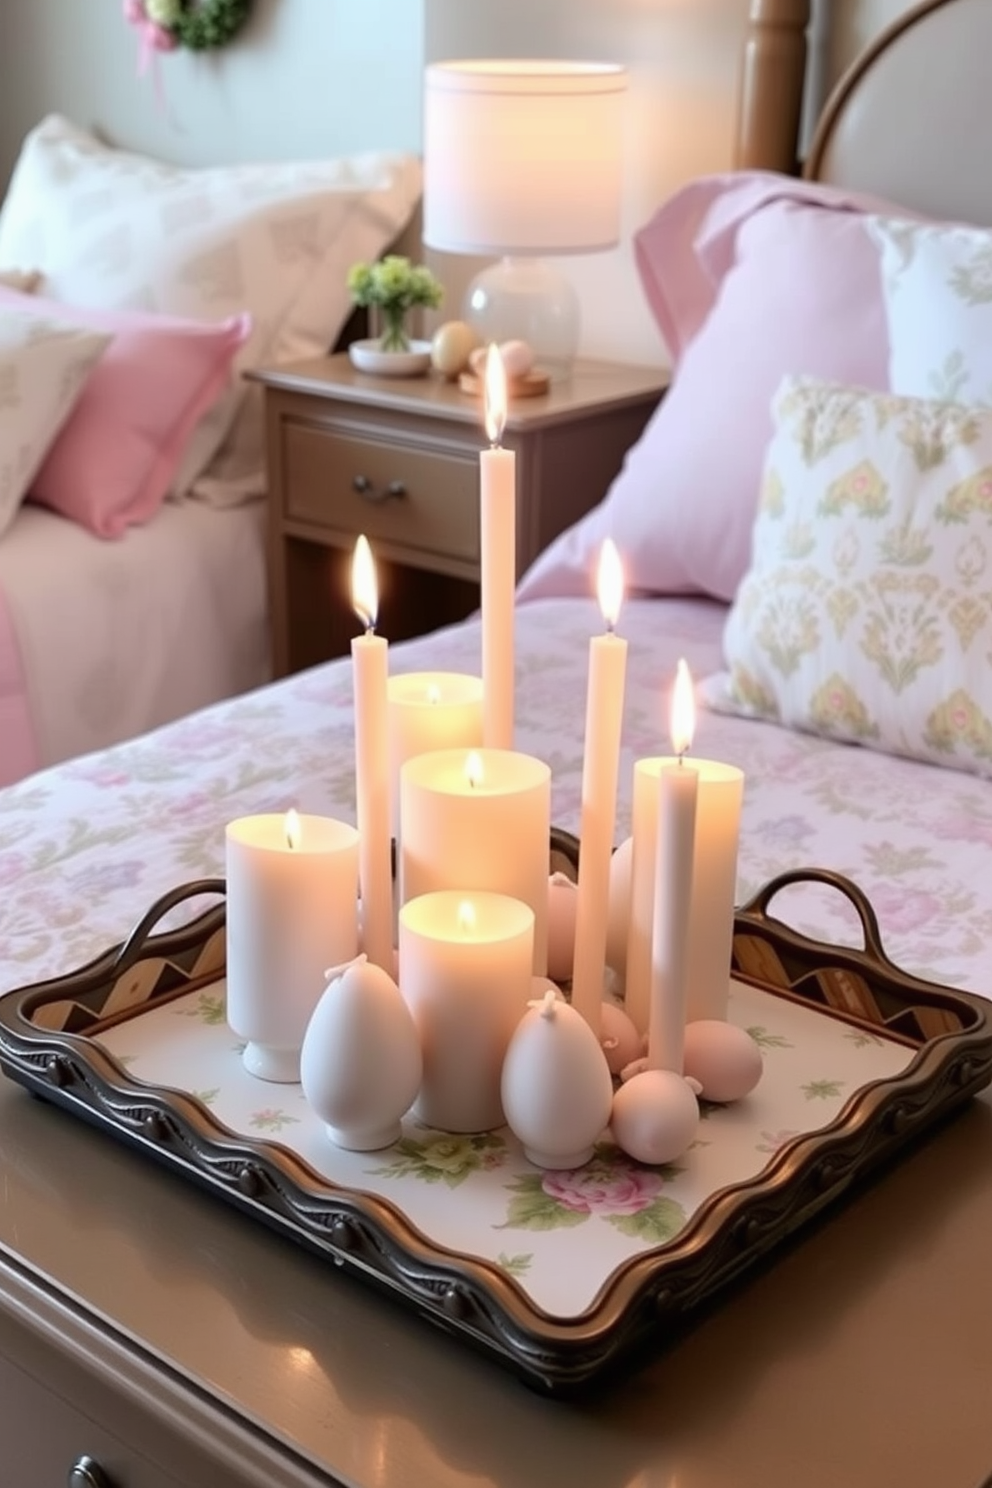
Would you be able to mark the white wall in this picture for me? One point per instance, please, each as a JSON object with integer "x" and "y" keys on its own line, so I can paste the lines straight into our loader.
{"x": 303, "y": 78}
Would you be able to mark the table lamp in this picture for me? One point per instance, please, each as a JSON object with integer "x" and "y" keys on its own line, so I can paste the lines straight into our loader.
{"x": 523, "y": 158}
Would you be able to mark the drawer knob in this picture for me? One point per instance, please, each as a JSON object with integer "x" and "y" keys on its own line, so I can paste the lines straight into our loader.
{"x": 86, "y": 1472}
{"x": 365, "y": 488}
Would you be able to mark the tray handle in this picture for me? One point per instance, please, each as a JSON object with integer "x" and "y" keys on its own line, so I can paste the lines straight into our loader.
{"x": 134, "y": 946}
{"x": 757, "y": 907}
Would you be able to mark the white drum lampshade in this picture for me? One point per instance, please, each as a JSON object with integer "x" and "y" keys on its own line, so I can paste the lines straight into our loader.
{"x": 523, "y": 158}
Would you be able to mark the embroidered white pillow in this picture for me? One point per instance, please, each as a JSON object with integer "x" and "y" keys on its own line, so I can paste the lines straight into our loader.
{"x": 44, "y": 366}
{"x": 866, "y": 614}
{"x": 114, "y": 230}
{"x": 937, "y": 290}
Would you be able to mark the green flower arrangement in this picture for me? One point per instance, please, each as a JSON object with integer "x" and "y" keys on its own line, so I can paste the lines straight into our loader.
{"x": 165, "y": 25}
{"x": 394, "y": 286}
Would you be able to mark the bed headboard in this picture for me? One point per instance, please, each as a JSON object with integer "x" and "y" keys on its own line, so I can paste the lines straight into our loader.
{"x": 875, "y": 133}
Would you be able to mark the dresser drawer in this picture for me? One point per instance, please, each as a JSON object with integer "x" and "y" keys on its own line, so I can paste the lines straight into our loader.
{"x": 420, "y": 500}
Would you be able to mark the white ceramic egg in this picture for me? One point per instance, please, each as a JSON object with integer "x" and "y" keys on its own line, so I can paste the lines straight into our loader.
{"x": 556, "y": 1087}
{"x": 723, "y": 1058}
{"x": 620, "y": 1039}
{"x": 618, "y": 908}
{"x": 451, "y": 347}
{"x": 655, "y": 1116}
{"x": 563, "y": 897}
{"x": 361, "y": 1063}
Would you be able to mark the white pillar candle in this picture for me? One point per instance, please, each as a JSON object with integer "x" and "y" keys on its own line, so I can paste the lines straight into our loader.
{"x": 430, "y": 711}
{"x": 292, "y": 911}
{"x": 465, "y": 974}
{"x": 720, "y": 791}
{"x": 370, "y": 657}
{"x": 498, "y": 537}
{"x": 478, "y": 820}
{"x": 600, "y": 768}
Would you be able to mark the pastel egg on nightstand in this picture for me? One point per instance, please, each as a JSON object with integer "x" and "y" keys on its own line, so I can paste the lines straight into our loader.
{"x": 723, "y": 1058}
{"x": 452, "y": 346}
{"x": 518, "y": 358}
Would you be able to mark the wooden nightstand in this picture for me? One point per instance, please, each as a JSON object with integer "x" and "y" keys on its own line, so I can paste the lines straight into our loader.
{"x": 398, "y": 459}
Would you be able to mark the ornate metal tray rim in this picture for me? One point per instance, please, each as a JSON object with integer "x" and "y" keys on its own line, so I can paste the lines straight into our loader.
{"x": 731, "y": 1230}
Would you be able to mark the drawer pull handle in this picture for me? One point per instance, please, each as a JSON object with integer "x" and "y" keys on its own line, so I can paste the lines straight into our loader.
{"x": 364, "y": 487}
{"x": 86, "y": 1472}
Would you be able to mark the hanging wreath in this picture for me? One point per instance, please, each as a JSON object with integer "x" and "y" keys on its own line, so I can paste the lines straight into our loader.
{"x": 197, "y": 24}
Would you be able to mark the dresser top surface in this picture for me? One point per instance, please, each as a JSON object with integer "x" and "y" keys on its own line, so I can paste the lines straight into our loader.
{"x": 860, "y": 1352}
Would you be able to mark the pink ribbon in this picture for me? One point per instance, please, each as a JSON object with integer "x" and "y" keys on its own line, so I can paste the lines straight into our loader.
{"x": 152, "y": 39}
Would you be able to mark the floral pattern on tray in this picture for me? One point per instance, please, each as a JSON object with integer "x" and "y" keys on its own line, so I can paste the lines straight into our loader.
{"x": 560, "y": 1234}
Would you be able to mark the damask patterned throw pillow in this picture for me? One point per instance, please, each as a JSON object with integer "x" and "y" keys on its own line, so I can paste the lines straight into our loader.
{"x": 866, "y": 614}
{"x": 44, "y": 367}
{"x": 114, "y": 230}
{"x": 937, "y": 292}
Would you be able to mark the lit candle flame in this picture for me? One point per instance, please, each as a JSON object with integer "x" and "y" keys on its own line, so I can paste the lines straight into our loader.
{"x": 364, "y": 591}
{"x": 610, "y": 583}
{"x": 466, "y": 917}
{"x": 473, "y": 769}
{"x": 495, "y": 395}
{"x": 433, "y": 693}
{"x": 683, "y": 720}
{"x": 293, "y": 829}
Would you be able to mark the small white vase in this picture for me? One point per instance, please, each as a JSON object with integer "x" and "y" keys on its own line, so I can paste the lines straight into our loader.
{"x": 556, "y": 1087}
{"x": 361, "y": 1062}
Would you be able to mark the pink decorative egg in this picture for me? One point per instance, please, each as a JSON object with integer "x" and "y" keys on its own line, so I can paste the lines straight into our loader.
{"x": 723, "y": 1058}
{"x": 655, "y": 1116}
{"x": 620, "y": 1039}
{"x": 562, "y": 899}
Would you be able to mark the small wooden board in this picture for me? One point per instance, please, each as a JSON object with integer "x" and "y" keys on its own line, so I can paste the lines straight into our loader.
{"x": 531, "y": 385}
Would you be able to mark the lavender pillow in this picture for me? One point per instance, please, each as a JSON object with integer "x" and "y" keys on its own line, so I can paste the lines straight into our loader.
{"x": 750, "y": 276}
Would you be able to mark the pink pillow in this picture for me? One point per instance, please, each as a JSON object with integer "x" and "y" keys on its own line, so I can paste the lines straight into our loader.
{"x": 750, "y": 276}
{"x": 114, "y": 459}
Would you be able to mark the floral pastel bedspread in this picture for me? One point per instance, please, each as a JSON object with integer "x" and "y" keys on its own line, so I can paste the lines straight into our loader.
{"x": 86, "y": 847}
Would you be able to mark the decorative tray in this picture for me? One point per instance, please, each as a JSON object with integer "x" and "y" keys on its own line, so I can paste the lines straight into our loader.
{"x": 561, "y": 1276}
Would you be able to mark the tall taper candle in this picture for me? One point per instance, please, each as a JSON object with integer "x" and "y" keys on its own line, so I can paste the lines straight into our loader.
{"x": 600, "y": 768}
{"x": 370, "y": 655}
{"x": 498, "y": 536}
{"x": 677, "y": 792}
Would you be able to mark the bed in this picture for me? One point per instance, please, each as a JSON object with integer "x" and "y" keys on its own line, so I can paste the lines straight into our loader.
{"x": 132, "y": 573}
{"x": 863, "y": 1355}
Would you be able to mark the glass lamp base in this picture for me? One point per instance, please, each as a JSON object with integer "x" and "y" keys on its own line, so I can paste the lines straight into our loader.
{"x": 525, "y": 299}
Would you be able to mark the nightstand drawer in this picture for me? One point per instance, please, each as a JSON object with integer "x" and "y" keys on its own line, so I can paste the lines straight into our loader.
{"x": 421, "y": 500}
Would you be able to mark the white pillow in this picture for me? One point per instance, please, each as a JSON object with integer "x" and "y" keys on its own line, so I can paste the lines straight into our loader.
{"x": 866, "y": 614}
{"x": 116, "y": 230}
{"x": 44, "y": 365}
{"x": 937, "y": 290}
